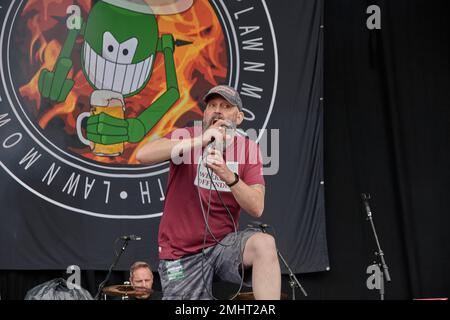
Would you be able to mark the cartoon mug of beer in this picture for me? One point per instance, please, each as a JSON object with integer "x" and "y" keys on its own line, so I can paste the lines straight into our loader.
{"x": 111, "y": 103}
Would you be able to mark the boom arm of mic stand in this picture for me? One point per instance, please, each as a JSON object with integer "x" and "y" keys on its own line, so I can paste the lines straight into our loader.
{"x": 365, "y": 199}
{"x": 380, "y": 252}
{"x": 113, "y": 265}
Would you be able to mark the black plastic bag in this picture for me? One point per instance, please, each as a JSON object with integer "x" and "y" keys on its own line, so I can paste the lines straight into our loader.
{"x": 57, "y": 289}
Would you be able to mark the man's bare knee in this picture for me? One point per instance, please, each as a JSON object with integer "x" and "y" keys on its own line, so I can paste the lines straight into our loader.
{"x": 261, "y": 245}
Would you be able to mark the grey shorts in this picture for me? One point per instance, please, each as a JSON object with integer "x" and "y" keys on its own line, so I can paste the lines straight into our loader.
{"x": 191, "y": 277}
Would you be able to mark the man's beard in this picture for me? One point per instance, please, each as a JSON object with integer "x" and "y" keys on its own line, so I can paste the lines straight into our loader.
{"x": 214, "y": 119}
{"x": 229, "y": 130}
{"x": 211, "y": 121}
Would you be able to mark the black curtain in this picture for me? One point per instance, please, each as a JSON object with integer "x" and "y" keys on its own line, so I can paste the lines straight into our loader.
{"x": 387, "y": 131}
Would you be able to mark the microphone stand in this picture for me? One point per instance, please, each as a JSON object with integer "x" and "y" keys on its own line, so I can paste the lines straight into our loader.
{"x": 293, "y": 281}
{"x": 379, "y": 253}
{"x": 113, "y": 265}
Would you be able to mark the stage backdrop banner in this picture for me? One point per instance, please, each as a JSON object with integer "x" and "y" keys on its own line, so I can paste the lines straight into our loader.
{"x": 66, "y": 197}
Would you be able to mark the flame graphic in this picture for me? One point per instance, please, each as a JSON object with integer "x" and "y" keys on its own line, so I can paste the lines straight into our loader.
{"x": 199, "y": 65}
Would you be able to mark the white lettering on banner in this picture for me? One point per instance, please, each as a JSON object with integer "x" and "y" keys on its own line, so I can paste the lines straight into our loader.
{"x": 248, "y": 29}
{"x": 51, "y": 174}
{"x": 254, "y": 66}
{"x": 236, "y": 14}
{"x": 108, "y": 186}
{"x": 249, "y": 90}
{"x": 31, "y": 157}
{"x": 6, "y": 141}
{"x": 88, "y": 187}
{"x": 253, "y": 44}
{"x": 3, "y": 122}
{"x": 72, "y": 184}
{"x": 145, "y": 192}
{"x": 163, "y": 197}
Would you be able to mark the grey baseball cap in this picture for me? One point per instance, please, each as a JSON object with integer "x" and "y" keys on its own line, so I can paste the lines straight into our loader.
{"x": 227, "y": 92}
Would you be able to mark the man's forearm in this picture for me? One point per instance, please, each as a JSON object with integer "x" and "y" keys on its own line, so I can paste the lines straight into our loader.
{"x": 163, "y": 149}
{"x": 250, "y": 198}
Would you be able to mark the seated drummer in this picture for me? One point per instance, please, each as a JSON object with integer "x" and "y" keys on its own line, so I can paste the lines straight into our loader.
{"x": 141, "y": 278}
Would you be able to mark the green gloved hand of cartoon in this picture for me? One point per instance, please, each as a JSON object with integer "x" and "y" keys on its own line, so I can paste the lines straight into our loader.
{"x": 55, "y": 85}
{"x": 105, "y": 129}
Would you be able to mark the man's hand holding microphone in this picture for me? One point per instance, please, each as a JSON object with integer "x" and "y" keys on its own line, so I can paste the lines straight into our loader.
{"x": 215, "y": 139}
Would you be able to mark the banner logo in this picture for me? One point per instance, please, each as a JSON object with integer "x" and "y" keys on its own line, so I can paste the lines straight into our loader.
{"x": 84, "y": 84}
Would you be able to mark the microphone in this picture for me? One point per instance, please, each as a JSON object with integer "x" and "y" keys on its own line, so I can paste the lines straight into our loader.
{"x": 131, "y": 237}
{"x": 219, "y": 144}
{"x": 258, "y": 224}
{"x": 211, "y": 141}
{"x": 365, "y": 198}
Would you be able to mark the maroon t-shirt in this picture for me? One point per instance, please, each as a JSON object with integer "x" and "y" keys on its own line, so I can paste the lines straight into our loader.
{"x": 182, "y": 225}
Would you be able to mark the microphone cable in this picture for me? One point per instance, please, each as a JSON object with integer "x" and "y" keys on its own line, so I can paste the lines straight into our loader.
{"x": 208, "y": 229}
{"x": 206, "y": 216}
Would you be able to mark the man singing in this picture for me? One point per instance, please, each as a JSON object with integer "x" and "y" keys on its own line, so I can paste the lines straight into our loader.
{"x": 214, "y": 173}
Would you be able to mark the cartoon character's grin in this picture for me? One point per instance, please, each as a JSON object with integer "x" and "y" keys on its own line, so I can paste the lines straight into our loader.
{"x": 109, "y": 74}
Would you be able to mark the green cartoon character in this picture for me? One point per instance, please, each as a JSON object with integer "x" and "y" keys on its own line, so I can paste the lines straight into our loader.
{"x": 120, "y": 45}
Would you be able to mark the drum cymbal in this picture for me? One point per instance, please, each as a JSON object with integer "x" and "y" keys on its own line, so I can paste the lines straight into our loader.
{"x": 126, "y": 290}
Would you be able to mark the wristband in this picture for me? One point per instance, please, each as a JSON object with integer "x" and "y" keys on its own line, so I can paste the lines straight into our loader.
{"x": 236, "y": 180}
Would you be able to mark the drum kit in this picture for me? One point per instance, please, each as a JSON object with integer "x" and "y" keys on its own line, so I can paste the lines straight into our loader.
{"x": 126, "y": 291}
{"x": 251, "y": 296}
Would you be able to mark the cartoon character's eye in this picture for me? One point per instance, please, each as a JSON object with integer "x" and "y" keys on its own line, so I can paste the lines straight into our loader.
{"x": 127, "y": 50}
{"x": 110, "y": 47}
